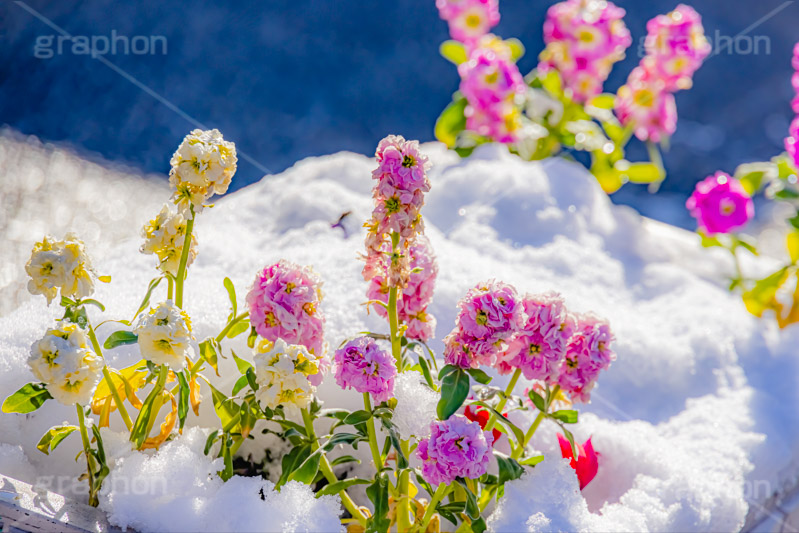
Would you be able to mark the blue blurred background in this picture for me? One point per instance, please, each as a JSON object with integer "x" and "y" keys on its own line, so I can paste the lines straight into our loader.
{"x": 286, "y": 79}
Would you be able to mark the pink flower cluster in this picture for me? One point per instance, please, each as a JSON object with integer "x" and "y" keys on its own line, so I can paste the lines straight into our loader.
{"x": 362, "y": 365}
{"x": 792, "y": 140}
{"x": 535, "y": 334}
{"x": 456, "y": 448}
{"x": 539, "y": 345}
{"x": 488, "y": 316}
{"x": 584, "y": 39}
{"x": 675, "y": 48}
{"x": 469, "y": 19}
{"x": 416, "y": 296}
{"x": 720, "y": 204}
{"x": 587, "y": 354}
{"x": 491, "y": 83}
{"x": 284, "y": 304}
{"x": 401, "y": 177}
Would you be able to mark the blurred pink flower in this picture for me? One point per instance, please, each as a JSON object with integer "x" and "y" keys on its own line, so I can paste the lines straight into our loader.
{"x": 469, "y": 19}
{"x": 720, "y": 204}
{"x": 645, "y": 105}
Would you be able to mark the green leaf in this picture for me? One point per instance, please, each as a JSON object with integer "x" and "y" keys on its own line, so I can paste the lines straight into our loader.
{"x": 402, "y": 461}
{"x": 509, "y": 468}
{"x": 251, "y": 338}
{"x": 570, "y": 438}
{"x": 342, "y": 438}
{"x": 53, "y": 438}
{"x": 93, "y": 302}
{"x": 231, "y": 292}
{"x": 603, "y": 101}
{"x": 307, "y": 471}
{"x": 210, "y": 441}
{"x": 139, "y": 432}
{"x": 479, "y": 376}
{"x": 446, "y": 370}
{"x": 357, "y": 417}
{"x": 567, "y": 416}
{"x": 454, "y": 507}
{"x": 251, "y": 379}
{"x": 709, "y": 242}
{"x": 118, "y": 338}
{"x": 209, "y": 354}
{"x": 291, "y": 461}
{"x": 479, "y": 525}
{"x": 27, "y": 399}
{"x": 146, "y": 301}
{"x": 537, "y": 400}
{"x": 638, "y": 172}
{"x": 183, "y": 398}
{"x": 239, "y": 328}
{"x": 452, "y": 121}
{"x": 532, "y": 461}
{"x": 240, "y": 384}
{"x": 378, "y": 494}
{"x": 762, "y": 296}
{"x": 552, "y": 82}
{"x": 426, "y": 373}
{"x": 472, "y": 508}
{"x": 509, "y": 426}
{"x": 338, "y": 486}
{"x": 241, "y": 364}
{"x": 226, "y": 409}
{"x": 454, "y": 390}
{"x": 344, "y": 459}
{"x": 792, "y": 243}
{"x": 76, "y": 315}
{"x": 516, "y": 49}
{"x": 453, "y": 51}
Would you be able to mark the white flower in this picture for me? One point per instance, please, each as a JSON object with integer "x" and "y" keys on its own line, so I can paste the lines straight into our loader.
{"x": 281, "y": 371}
{"x": 588, "y": 135}
{"x": 61, "y": 265}
{"x": 541, "y": 107}
{"x": 202, "y": 166}
{"x": 165, "y": 336}
{"x": 63, "y": 361}
{"x": 164, "y": 236}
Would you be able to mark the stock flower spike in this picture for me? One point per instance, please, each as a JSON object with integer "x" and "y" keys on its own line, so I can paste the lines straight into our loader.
{"x": 164, "y": 237}
{"x": 584, "y": 39}
{"x": 60, "y": 265}
{"x": 644, "y": 104}
{"x": 164, "y": 336}
{"x": 587, "y": 354}
{"x": 456, "y": 448}
{"x": 586, "y": 463}
{"x": 488, "y": 316}
{"x": 720, "y": 204}
{"x": 469, "y": 19}
{"x": 284, "y": 373}
{"x": 202, "y": 166}
{"x": 284, "y": 303}
{"x": 362, "y": 365}
{"x": 63, "y": 361}
{"x": 539, "y": 347}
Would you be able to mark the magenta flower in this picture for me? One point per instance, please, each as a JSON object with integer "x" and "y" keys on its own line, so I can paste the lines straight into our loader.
{"x": 587, "y": 354}
{"x": 417, "y": 294}
{"x": 489, "y": 77}
{"x": 644, "y": 104}
{"x": 584, "y": 39}
{"x": 488, "y": 316}
{"x": 456, "y": 448}
{"x": 720, "y": 204}
{"x": 284, "y": 304}
{"x": 469, "y": 19}
{"x": 675, "y": 47}
{"x": 586, "y": 464}
{"x": 500, "y": 122}
{"x": 792, "y": 142}
{"x": 363, "y": 366}
{"x": 539, "y": 346}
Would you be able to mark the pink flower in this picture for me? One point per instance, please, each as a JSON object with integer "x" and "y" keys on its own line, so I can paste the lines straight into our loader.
{"x": 458, "y": 350}
{"x": 489, "y": 77}
{"x": 488, "y": 316}
{"x": 720, "y": 204}
{"x": 539, "y": 346}
{"x": 587, "y": 354}
{"x": 644, "y": 104}
{"x": 363, "y": 366}
{"x": 284, "y": 304}
{"x": 469, "y": 19}
{"x": 676, "y": 46}
{"x": 500, "y": 122}
{"x": 792, "y": 141}
{"x": 584, "y": 39}
{"x": 417, "y": 294}
{"x": 456, "y": 448}
{"x": 586, "y": 463}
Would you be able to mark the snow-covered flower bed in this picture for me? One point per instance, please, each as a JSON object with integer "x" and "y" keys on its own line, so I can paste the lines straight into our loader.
{"x": 694, "y": 419}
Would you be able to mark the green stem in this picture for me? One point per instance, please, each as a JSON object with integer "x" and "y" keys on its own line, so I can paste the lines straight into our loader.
{"x": 404, "y": 521}
{"x": 327, "y": 470}
{"x": 163, "y": 373}
{"x": 441, "y": 491}
{"x": 393, "y": 317}
{"x": 657, "y": 160}
{"x": 170, "y": 293}
{"x": 123, "y": 412}
{"x": 508, "y": 391}
{"x": 537, "y": 422}
{"x": 84, "y": 435}
{"x": 230, "y": 325}
{"x": 184, "y": 258}
{"x": 370, "y": 429}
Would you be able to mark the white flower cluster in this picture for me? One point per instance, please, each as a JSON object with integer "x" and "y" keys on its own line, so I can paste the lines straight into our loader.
{"x": 202, "y": 166}
{"x": 165, "y": 336}
{"x": 63, "y": 361}
{"x": 164, "y": 237}
{"x": 61, "y": 265}
{"x": 282, "y": 371}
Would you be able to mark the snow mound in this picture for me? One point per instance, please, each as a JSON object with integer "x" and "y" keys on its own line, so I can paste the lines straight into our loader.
{"x": 416, "y": 405}
{"x": 679, "y": 420}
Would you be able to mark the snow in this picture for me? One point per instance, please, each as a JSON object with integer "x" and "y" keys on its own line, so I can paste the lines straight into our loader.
{"x": 416, "y": 405}
{"x": 695, "y": 418}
